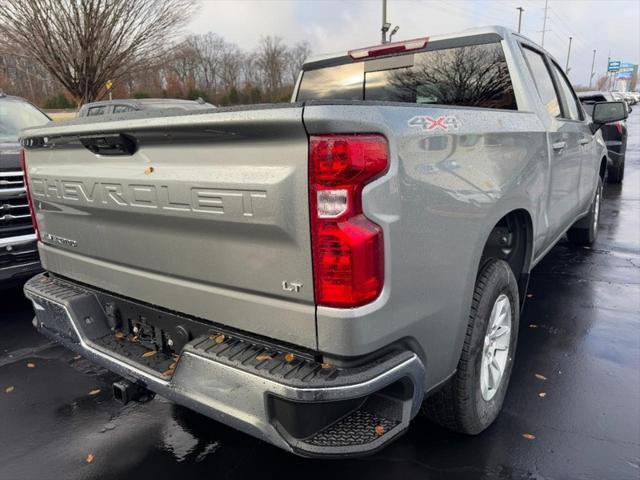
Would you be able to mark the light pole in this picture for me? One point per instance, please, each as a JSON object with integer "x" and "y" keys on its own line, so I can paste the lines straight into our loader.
{"x": 593, "y": 62}
{"x": 520, "y": 10}
{"x": 385, "y": 24}
{"x": 393, "y": 32}
{"x": 566, "y": 68}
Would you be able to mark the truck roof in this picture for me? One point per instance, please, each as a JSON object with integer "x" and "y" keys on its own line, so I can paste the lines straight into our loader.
{"x": 502, "y": 32}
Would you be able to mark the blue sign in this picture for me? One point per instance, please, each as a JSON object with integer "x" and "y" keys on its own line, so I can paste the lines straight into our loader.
{"x": 624, "y": 75}
{"x": 614, "y": 66}
{"x": 627, "y": 65}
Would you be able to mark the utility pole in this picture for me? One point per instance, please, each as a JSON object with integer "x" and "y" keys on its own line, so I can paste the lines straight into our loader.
{"x": 520, "y": 10}
{"x": 593, "y": 62}
{"x": 544, "y": 22}
{"x": 386, "y": 25}
{"x": 608, "y": 72}
{"x": 566, "y": 68}
{"x": 385, "y": 28}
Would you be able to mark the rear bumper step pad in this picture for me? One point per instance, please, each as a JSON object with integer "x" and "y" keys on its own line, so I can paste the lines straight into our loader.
{"x": 287, "y": 398}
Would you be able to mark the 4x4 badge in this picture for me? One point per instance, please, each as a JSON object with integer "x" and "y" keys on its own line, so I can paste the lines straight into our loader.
{"x": 429, "y": 124}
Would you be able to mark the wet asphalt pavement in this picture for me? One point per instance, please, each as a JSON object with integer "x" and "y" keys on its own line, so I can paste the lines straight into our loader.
{"x": 580, "y": 331}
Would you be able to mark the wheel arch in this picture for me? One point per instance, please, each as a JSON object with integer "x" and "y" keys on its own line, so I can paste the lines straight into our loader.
{"x": 603, "y": 168}
{"x": 511, "y": 239}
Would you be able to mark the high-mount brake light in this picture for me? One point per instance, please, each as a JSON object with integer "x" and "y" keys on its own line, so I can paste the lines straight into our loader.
{"x": 347, "y": 247}
{"x": 389, "y": 48}
{"x": 28, "y": 191}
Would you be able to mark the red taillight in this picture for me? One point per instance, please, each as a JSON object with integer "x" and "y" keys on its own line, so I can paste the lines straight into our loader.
{"x": 619, "y": 127}
{"x": 29, "y": 199}
{"x": 389, "y": 48}
{"x": 348, "y": 249}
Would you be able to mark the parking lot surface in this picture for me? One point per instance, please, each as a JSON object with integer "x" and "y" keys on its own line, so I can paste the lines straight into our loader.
{"x": 572, "y": 411}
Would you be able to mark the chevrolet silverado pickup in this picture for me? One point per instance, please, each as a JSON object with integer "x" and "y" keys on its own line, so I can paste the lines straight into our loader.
{"x": 18, "y": 251}
{"x": 317, "y": 273}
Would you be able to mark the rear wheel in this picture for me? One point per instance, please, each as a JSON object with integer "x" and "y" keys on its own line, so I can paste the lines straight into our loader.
{"x": 473, "y": 397}
{"x": 585, "y": 230}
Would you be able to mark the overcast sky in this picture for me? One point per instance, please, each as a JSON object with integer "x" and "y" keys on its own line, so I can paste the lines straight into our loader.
{"x": 334, "y": 25}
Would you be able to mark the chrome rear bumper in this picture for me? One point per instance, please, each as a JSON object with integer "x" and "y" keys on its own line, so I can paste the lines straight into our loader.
{"x": 294, "y": 405}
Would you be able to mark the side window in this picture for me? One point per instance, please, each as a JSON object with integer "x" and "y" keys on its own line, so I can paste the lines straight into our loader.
{"x": 542, "y": 79}
{"x": 122, "y": 109}
{"x": 570, "y": 97}
{"x": 95, "y": 111}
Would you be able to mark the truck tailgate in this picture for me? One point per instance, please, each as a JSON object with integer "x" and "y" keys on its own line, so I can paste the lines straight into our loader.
{"x": 208, "y": 217}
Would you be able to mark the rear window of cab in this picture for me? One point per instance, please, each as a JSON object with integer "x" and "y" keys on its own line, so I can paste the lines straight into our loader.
{"x": 471, "y": 76}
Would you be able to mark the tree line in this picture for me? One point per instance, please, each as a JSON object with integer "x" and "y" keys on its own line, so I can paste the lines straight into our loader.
{"x": 61, "y": 53}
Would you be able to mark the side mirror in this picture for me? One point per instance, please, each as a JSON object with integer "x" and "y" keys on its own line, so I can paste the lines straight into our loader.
{"x": 607, "y": 112}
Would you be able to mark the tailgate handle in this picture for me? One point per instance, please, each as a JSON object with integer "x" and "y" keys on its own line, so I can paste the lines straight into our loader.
{"x": 110, "y": 144}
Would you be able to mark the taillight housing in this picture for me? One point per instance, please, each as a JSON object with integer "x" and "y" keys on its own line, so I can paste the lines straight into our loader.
{"x": 29, "y": 199}
{"x": 619, "y": 127}
{"x": 347, "y": 247}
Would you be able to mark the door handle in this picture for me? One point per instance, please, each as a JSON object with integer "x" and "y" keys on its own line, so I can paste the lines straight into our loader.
{"x": 559, "y": 146}
{"x": 584, "y": 141}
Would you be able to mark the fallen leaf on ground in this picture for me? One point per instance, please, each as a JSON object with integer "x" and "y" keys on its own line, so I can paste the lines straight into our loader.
{"x": 289, "y": 357}
{"x": 120, "y": 335}
{"x": 173, "y": 366}
{"x": 263, "y": 357}
{"x": 9, "y": 389}
{"x": 90, "y": 458}
{"x": 134, "y": 339}
{"x": 540, "y": 377}
{"x": 532, "y": 325}
{"x": 379, "y": 429}
{"x": 95, "y": 392}
{"x": 528, "y": 436}
{"x": 326, "y": 365}
{"x": 150, "y": 353}
{"x": 168, "y": 373}
{"x": 542, "y": 394}
{"x": 218, "y": 338}
{"x": 31, "y": 365}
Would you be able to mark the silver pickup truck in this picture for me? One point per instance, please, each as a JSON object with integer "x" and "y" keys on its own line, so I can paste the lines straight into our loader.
{"x": 317, "y": 273}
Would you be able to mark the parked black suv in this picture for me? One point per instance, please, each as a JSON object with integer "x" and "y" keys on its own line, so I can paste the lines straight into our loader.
{"x": 18, "y": 252}
{"x": 614, "y": 134}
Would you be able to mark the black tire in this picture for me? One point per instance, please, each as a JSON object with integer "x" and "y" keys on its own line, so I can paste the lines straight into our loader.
{"x": 615, "y": 173}
{"x": 459, "y": 405}
{"x": 585, "y": 230}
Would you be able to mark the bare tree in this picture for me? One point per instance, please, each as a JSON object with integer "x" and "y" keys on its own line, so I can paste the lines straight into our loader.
{"x": 602, "y": 83}
{"x": 209, "y": 48}
{"x": 84, "y": 43}
{"x": 295, "y": 57}
{"x": 231, "y": 66}
{"x": 271, "y": 59}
